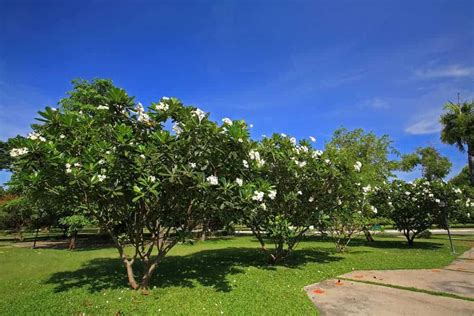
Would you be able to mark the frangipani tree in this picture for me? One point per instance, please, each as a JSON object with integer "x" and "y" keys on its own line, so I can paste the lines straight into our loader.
{"x": 277, "y": 196}
{"x": 358, "y": 166}
{"x": 113, "y": 160}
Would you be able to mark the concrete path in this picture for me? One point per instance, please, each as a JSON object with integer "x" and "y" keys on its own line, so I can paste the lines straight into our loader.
{"x": 352, "y": 295}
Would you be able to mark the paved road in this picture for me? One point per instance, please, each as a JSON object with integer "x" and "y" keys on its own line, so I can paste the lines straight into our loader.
{"x": 373, "y": 292}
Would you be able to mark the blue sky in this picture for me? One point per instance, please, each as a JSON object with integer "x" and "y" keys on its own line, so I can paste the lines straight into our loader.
{"x": 299, "y": 67}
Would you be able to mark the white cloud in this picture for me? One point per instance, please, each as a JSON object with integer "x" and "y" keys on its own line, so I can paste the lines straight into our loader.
{"x": 453, "y": 71}
{"x": 426, "y": 124}
{"x": 376, "y": 103}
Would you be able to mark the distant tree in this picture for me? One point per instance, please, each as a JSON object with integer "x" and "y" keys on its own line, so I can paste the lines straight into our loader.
{"x": 433, "y": 165}
{"x": 458, "y": 129}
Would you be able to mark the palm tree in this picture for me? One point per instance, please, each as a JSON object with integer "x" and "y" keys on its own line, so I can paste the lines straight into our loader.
{"x": 458, "y": 129}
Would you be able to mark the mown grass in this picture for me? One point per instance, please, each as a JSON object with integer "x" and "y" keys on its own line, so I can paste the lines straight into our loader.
{"x": 219, "y": 276}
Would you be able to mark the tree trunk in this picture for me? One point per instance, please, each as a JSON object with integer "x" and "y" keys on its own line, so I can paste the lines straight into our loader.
{"x": 131, "y": 278}
{"x": 470, "y": 160}
{"x": 72, "y": 241}
{"x": 204, "y": 232}
{"x": 36, "y": 238}
{"x": 368, "y": 235}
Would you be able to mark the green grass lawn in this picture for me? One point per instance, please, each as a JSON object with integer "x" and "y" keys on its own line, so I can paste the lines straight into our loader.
{"x": 220, "y": 276}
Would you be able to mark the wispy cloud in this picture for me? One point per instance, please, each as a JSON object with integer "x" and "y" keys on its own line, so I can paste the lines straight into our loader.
{"x": 426, "y": 124}
{"x": 376, "y": 103}
{"x": 452, "y": 71}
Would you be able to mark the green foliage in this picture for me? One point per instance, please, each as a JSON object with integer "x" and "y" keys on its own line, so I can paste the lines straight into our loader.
{"x": 107, "y": 157}
{"x": 433, "y": 165}
{"x": 458, "y": 129}
{"x": 74, "y": 223}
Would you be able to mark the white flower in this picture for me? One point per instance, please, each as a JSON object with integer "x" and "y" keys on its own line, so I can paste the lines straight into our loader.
{"x": 457, "y": 190}
{"x": 101, "y": 177}
{"x": 107, "y": 152}
{"x": 68, "y": 166}
{"x": 316, "y": 154}
{"x": 227, "y": 121}
{"x": 200, "y": 114}
{"x": 272, "y": 194}
{"x": 152, "y": 178}
{"x": 313, "y": 139}
{"x": 240, "y": 140}
{"x": 283, "y": 135}
{"x": 374, "y": 209}
{"x": 311, "y": 199}
{"x": 77, "y": 165}
{"x": 431, "y": 195}
{"x": 102, "y": 107}
{"x": 299, "y": 193}
{"x": 42, "y": 139}
{"x": 263, "y": 206}
{"x": 258, "y": 196}
{"x": 359, "y": 212}
{"x": 254, "y": 155}
{"x": 245, "y": 163}
{"x": 162, "y": 107}
{"x": 438, "y": 201}
{"x": 300, "y": 164}
{"x": 367, "y": 189}
{"x": 407, "y": 193}
{"x": 177, "y": 129}
{"x": 142, "y": 156}
{"x": 213, "y": 180}
{"x": 192, "y": 165}
{"x": 62, "y": 136}
{"x": 327, "y": 161}
{"x": 33, "y": 136}
{"x": 54, "y": 109}
{"x": 293, "y": 140}
{"x": 390, "y": 203}
{"x": 101, "y": 162}
{"x": 239, "y": 181}
{"x": 357, "y": 166}
{"x": 68, "y": 170}
{"x": 339, "y": 202}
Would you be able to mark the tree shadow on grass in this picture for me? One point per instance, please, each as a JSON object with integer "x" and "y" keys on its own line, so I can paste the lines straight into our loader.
{"x": 208, "y": 267}
{"x": 396, "y": 244}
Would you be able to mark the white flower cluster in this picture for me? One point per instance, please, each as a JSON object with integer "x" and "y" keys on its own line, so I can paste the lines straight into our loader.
{"x": 15, "y": 152}
{"x": 162, "y": 107}
{"x": 101, "y": 177}
{"x": 142, "y": 116}
{"x": 36, "y": 136}
{"x": 367, "y": 189}
{"x": 69, "y": 166}
{"x": 255, "y": 155}
{"x": 152, "y": 178}
{"x": 227, "y": 121}
{"x": 245, "y": 163}
{"x": 316, "y": 154}
{"x": 258, "y": 196}
{"x": 272, "y": 194}
{"x": 102, "y": 107}
{"x": 177, "y": 128}
{"x": 213, "y": 180}
{"x": 300, "y": 164}
{"x": 200, "y": 114}
{"x": 239, "y": 182}
{"x": 357, "y": 166}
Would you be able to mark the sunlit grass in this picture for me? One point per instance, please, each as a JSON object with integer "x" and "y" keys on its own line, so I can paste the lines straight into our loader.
{"x": 222, "y": 275}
